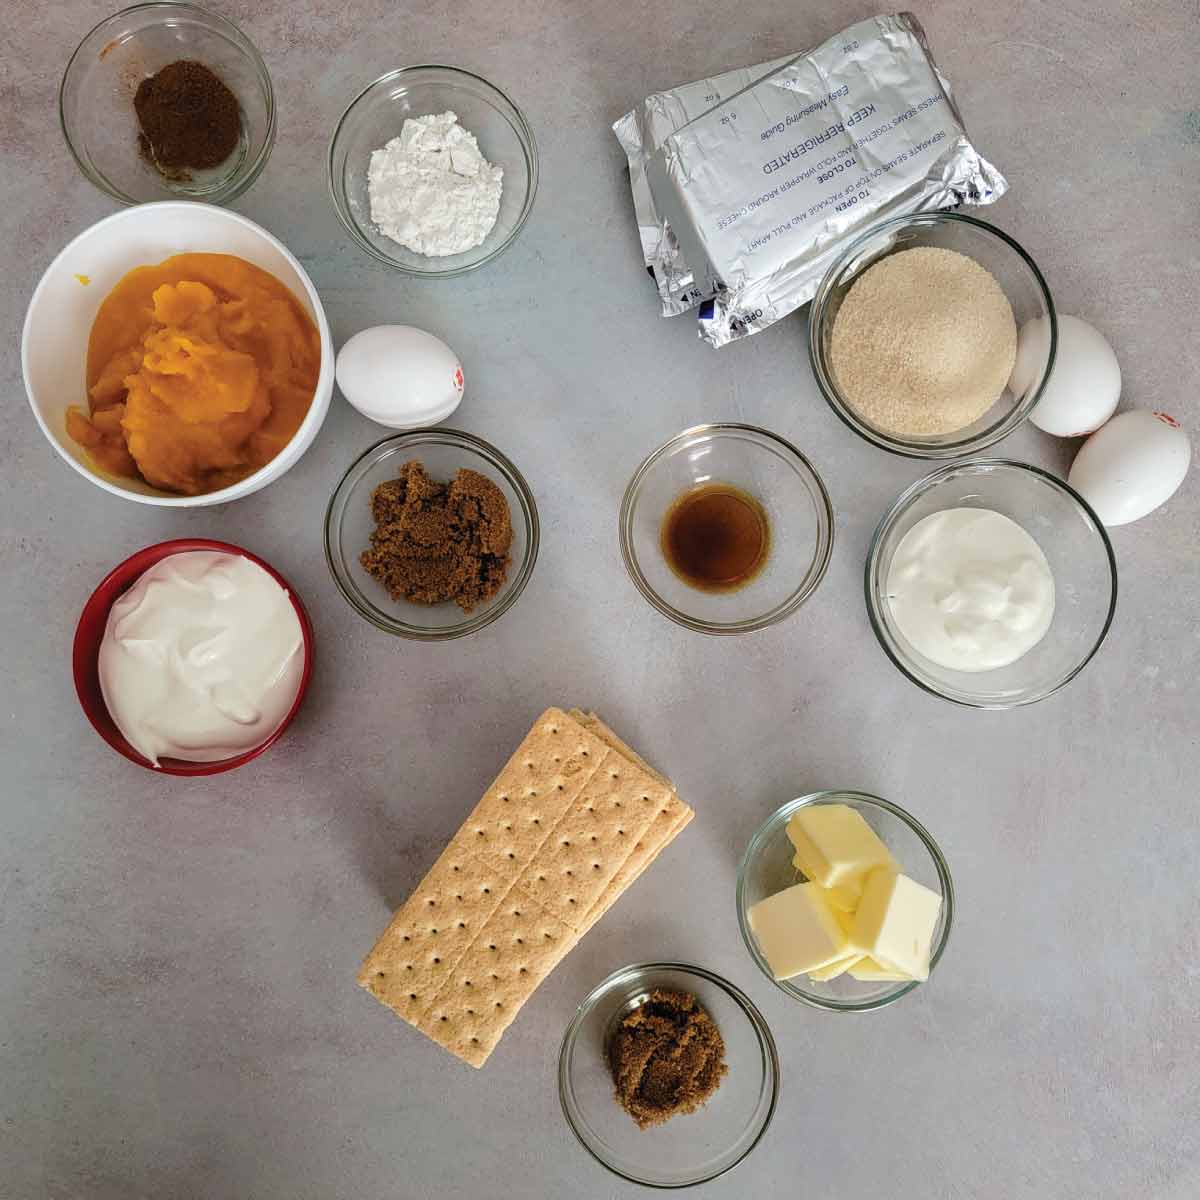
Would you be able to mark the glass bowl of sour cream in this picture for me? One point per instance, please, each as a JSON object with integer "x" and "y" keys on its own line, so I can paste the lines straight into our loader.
{"x": 991, "y": 583}
{"x": 204, "y": 669}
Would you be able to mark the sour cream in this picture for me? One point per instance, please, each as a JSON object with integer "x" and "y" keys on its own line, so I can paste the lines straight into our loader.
{"x": 202, "y": 658}
{"x": 970, "y": 589}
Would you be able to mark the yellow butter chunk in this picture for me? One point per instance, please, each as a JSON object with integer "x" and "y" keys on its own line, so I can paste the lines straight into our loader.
{"x": 797, "y": 931}
{"x": 834, "y": 969}
{"x": 895, "y": 921}
{"x": 836, "y": 847}
{"x": 844, "y": 898}
{"x": 867, "y": 970}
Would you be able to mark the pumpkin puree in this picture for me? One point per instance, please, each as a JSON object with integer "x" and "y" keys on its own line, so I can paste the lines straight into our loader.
{"x": 200, "y": 370}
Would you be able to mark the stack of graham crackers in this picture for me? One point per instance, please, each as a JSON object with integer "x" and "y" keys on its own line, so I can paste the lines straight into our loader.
{"x": 568, "y": 825}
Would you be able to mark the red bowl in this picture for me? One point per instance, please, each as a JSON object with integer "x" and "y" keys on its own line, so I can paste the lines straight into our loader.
{"x": 90, "y": 633}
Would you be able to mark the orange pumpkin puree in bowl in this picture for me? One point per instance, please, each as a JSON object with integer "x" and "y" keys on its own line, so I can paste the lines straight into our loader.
{"x": 199, "y": 370}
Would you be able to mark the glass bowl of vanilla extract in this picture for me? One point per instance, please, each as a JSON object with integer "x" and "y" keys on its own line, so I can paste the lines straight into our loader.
{"x": 726, "y": 528}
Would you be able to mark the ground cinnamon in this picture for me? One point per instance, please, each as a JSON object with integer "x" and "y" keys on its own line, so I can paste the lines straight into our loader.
{"x": 435, "y": 542}
{"x": 667, "y": 1057}
{"x": 189, "y": 119}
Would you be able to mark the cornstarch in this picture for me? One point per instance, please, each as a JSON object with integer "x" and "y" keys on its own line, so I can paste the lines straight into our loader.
{"x": 430, "y": 188}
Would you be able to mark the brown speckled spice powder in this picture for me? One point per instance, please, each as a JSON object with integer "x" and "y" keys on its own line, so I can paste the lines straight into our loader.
{"x": 189, "y": 119}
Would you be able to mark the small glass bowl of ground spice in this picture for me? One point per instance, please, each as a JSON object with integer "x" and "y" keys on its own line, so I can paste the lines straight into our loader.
{"x": 168, "y": 101}
{"x": 913, "y": 335}
{"x": 668, "y": 1074}
{"x": 431, "y": 534}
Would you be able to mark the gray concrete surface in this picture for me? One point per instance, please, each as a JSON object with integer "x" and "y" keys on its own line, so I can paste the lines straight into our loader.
{"x": 178, "y": 1013}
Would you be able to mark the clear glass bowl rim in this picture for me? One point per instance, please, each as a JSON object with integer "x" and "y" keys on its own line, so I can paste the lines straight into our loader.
{"x": 754, "y": 847}
{"x": 618, "y": 977}
{"x": 249, "y": 171}
{"x": 927, "y": 483}
{"x": 525, "y": 135}
{"x": 823, "y": 550}
{"x": 528, "y": 507}
{"x": 824, "y": 377}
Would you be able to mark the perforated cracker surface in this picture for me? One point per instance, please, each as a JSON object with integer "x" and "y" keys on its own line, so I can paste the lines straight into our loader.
{"x": 593, "y": 724}
{"x": 517, "y": 948}
{"x": 432, "y": 930}
{"x": 470, "y": 946}
{"x": 662, "y": 832}
{"x": 595, "y": 837}
{"x": 530, "y": 796}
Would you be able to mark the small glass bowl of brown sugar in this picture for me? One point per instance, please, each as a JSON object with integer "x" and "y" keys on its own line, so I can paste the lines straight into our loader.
{"x": 726, "y": 528}
{"x": 932, "y": 335}
{"x": 699, "y": 1141}
{"x": 431, "y": 534}
{"x": 167, "y": 101}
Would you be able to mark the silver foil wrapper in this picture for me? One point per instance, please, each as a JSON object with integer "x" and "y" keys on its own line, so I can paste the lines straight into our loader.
{"x": 641, "y": 133}
{"x": 757, "y": 195}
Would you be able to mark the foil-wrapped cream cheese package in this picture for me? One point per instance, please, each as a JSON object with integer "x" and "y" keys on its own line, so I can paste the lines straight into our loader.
{"x": 641, "y": 133}
{"x": 758, "y": 194}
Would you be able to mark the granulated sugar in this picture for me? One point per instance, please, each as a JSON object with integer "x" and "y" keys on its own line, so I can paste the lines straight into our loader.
{"x": 923, "y": 343}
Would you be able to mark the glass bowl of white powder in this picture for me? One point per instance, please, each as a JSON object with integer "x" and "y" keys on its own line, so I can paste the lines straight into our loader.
{"x": 991, "y": 583}
{"x": 433, "y": 170}
{"x": 915, "y": 335}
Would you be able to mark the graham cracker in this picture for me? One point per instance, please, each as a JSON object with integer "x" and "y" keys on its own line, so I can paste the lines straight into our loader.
{"x": 594, "y": 724}
{"x": 590, "y": 844}
{"x": 431, "y": 931}
{"x": 663, "y": 830}
{"x": 517, "y": 948}
{"x": 533, "y": 792}
{"x": 573, "y": 818}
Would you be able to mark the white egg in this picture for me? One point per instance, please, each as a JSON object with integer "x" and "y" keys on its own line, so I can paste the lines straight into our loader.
{"x": 1130, "y": 466}
{"x": 1084, "y": 385}
{"x": 400, "y": 376}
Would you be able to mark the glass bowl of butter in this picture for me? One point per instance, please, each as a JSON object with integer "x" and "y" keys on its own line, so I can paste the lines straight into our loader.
{"x": 844, "y": 901}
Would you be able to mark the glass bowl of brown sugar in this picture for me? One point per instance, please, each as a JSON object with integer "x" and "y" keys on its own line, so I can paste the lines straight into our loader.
{"x": 168, "y": 101}
{"x": 431, "y": 534}
{"x": 663, "y": 1139}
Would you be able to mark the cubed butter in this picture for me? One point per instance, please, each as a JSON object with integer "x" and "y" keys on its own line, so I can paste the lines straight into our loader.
{"x": 834, "y": 969}
{"x": 835, "y": 846}
{"x": 797, "y": 931}
{"x": 845, "y": 922}
{"x": 867, "y": 970}
{"x": 844, "y": 898}
{"x": 895, "y": 921}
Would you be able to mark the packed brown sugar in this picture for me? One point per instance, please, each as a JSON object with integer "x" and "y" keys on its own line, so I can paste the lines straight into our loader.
{"x": 667, "y": 1057}
{"x": 435, "y": 542}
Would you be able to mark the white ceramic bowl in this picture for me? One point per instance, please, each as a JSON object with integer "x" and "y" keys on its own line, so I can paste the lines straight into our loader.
{"x": 59, "y": 321}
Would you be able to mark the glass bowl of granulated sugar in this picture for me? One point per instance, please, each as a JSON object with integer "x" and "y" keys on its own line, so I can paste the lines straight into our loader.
{"x": 433, "y": 170}
{"x": 933, "y": 335}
